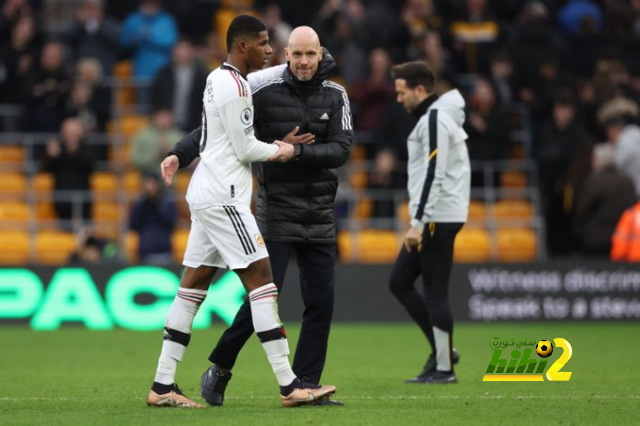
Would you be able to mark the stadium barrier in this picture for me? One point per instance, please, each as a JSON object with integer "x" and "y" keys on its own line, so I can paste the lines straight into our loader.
{"x": 137, "y": 297}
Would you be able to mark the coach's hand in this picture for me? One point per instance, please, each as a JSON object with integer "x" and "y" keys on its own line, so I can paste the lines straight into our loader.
{"x": 413, "y": 239}
{"x": 285, "y": 152}
{"x": 294, "y": 139}
{"x": 168, "y": 168}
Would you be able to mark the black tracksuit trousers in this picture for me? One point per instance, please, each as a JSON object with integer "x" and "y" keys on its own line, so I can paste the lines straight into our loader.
{"x": 317, "y": 282}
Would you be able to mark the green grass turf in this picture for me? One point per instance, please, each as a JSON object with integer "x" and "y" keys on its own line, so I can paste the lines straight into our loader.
{"x": 74, "y": 376}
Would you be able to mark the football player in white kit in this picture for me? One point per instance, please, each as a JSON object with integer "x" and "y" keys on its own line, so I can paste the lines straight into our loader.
{"x": 224, "y": 232}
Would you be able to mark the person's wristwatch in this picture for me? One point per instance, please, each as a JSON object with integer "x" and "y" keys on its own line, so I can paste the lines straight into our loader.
{"x": 297, "y": 150}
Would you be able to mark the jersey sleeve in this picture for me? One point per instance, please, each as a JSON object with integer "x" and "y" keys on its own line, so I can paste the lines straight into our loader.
{"x": 258, "y": 78}
{"x": 236, "y": 114}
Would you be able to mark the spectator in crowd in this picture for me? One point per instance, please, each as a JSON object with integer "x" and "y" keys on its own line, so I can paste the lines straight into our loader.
{"x": 502, "y": 78}
{"x": 385, "y": 176}
{"x": 605, "y": 196}
{"x": 488, "y": 128}
{"x": 179, "y": 85}
{"x": 560, "y": 140}
{"x": 92, "y": 35}
{"x": 619, "y": 116}
{"x": 149, "y": 34}
{"x": 374, "y": 94}
{"x": 438, "y": 57}
{"x": 279, "y": 31}
{"x": 572, "y": 16}
{"x": 153, "y": 217}
{"x": 71, "y": 164}
{"x": 17, "y": 56}
{"x": 474, "y": 35}
{"x": 626, "y": 239}
{"x": 151, "y": 144}
{"x": 89, "y": 74}
{"x": 211, "y": 54}
{"x": 12, "y": 12}
{"x": 50, "y": 85}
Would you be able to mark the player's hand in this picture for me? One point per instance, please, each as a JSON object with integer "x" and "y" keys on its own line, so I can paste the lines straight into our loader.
{"x": 294, "y": 139}
{"x": 285, "y": 152}
{"x": 413, "y": 239}
{"x": 168, "y": 168}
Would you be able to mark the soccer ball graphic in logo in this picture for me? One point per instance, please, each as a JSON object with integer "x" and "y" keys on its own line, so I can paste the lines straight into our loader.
{"x": 544, "y": 348}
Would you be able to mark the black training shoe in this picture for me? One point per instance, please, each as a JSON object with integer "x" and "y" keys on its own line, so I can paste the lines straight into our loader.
{"x": 440, "y": 378}
{"x": 328, "y": 402}
{"x": 430, "y": 367}
{"x": 213, "y": 384}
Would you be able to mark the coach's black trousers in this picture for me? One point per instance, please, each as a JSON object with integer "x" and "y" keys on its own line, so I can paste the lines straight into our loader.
{"x": 317, "y": 282}
{"x": 433, "y": 263}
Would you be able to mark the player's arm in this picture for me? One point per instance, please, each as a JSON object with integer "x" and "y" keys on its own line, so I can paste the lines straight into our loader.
{"x": 335, "y": 151}
{"x": 237, "y": 120}
{"x": 258, "y": 78}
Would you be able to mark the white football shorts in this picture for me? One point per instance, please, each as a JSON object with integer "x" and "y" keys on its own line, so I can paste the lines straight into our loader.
{"x": 224, "y": 236}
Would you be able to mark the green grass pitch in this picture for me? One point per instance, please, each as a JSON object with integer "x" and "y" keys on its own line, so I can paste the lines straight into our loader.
{"x": 78, "y": 377}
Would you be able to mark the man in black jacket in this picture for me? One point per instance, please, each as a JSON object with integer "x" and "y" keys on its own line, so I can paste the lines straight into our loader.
{"x": 295, "y": 200}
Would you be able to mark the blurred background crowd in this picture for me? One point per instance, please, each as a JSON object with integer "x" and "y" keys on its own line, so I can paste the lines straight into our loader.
{"x": 94, "y": 93}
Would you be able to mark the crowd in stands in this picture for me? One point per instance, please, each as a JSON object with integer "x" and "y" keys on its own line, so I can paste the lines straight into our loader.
{"x": 552, "y": 84}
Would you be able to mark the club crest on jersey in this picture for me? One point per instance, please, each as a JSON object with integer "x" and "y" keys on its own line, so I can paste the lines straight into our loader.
{"x": 259, "y": 239}
{"x": 245, "y": 116}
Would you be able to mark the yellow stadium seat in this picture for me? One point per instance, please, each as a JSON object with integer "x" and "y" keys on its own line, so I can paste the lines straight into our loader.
{"x": 13, "y": 186}
{"x": 377, "y": 246}
{"x": 358, "y": 179}
{"x": 43, "y": 182}
{"x": 363, "y": 209}
{"x": 132, "y": 182}
{"x": 45, "y": 211}
{"x": 12, "y": 157}
{"x": 403, "y": 213}
{"x": 181, "y": 182}
{"x": 54, "y": 247}
{"x": 513, "y": 179}
{"x": 107, "y": 211}
{"x": 513, "y": 209}
{"x": 104, "y": 182}
{"x": 14, "y": 248}
{"x": 131, "y": 246}
{"x": 14, "y": 215}
{"x": 472, "y": 245}
{"x": 179, "y": 244}
{"x": 477, "y": 210}
{"x": 345, "y": 246}
{"x": 516, "y": 245}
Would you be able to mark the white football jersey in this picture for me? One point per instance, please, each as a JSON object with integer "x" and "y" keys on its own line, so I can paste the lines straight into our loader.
{"x": 228, "y": 145}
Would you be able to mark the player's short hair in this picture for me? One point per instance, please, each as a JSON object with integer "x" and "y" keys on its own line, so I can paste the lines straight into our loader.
{"x": 415, "y": 73}
{"x": 243, "y": 25}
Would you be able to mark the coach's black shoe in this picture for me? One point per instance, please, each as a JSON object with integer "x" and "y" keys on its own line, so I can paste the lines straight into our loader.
{"x": 430, "y": 367}
{"x": 440, "y": 378}
{"x": 328, "y": 402}
{"x": 213, "y": 384}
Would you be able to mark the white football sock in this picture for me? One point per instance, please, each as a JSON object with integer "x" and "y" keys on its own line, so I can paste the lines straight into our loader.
{"x": 177, "y": 332}
{"x": 268, "y": 327}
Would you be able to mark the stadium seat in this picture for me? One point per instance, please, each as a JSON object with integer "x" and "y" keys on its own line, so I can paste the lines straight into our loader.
{"x": 54, "y": 247}
{"x": 131, "y": 246}
{"x": 345, "y": 246}
{"x": 516, "y": 245}
{"x": 108, "y": 211}
{"x": 125, "y": 93}
{"x": 362, "y": 209}
{"x": 403, "y": 213}
{"x": 43, "y": 183}
{"x": 513, "y": 209}
{"x": 377, "y": 246}
{"x": 179, "y": 244}
{"x": 472, "y": 245}
{"x": 513, "y": 179}
{"x": 102, "y": 182}
{"x": 358, "y": 179}
{"x": 132, "y": 183}
{"x": 477, "y": 210}
{"x": 14, "y": 215}
{"x": 45, "y": 211}
{"x": 13, "y": 186}
{"x": 14, "y": 247}
{"x": 12, "y": 157}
